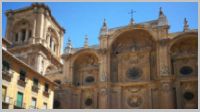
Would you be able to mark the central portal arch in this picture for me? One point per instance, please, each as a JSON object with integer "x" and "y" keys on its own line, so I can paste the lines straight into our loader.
{"x": 132, "y": 56}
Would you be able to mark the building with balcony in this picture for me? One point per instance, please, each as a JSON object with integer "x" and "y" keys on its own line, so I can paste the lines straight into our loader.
{"x": 22, "y": 86}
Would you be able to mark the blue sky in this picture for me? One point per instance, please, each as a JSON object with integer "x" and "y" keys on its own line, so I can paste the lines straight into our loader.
{"x": 86, "y": 18}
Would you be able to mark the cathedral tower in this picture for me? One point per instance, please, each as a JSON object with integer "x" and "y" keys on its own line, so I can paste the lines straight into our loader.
{"x": 36, "y": 37}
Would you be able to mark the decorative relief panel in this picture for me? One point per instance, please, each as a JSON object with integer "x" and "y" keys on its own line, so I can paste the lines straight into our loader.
{"x": 134, "y": 97}
{"x": 133, "y": 66}
{"x": 134, "y": 101}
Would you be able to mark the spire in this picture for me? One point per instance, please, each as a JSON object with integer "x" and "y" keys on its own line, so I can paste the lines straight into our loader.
{"x": 161, "y": 14}
{"x": 104, "y": 28}
{"x": 69, "y": 46}
{"x": 186, "y": 26}
{"x": 104, "y": 23}
{"x": 132, "y": 20}
{"x": 162, "y": 19}
{"x": 86, "y": 42}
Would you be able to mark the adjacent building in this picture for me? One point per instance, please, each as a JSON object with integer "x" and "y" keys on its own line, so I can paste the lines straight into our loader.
{"x": 31, "y": 48}
{"x": 22, "y": 86}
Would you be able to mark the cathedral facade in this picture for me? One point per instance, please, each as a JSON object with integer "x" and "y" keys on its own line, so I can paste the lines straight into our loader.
{"x": 139, "y": 65}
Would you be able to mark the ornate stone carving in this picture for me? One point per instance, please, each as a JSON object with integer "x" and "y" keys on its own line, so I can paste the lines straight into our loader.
{"x": 103, "y": 91}
{"x": 134, "y": 101}
{"x": 164, "y": 70}
{"x": 166, "y": 86}
{"x": 134, "y": 90}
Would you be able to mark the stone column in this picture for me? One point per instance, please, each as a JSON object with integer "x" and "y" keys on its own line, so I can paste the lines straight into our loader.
{"x": 9, "y": 25}
{"x": 103, "y": 102}
{"x": 68, "y": 69}
{"x": 19, "y": 37}
{"x": 39, "y": 24}
{"x": 60, "y": 44}
{"x": 52, "y": 46}
{"x": 163, "y": 62}
{"x": 38, "y": 63}
{"x": 27, "y": 35}
{"x": 167, "y": 99}
{"x": 49, "y": 38}
{"x": 33, "y": 32}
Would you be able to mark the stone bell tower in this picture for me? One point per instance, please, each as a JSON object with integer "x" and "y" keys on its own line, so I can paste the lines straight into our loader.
{"x": 36, "y": 37}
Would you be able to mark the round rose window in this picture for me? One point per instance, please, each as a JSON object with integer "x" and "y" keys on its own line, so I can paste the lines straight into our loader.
{"x": 188, "y": 95}
{"x": 186, "y": 70}
{"x": 134, "y": 73}
{"x": 88, "y": 102}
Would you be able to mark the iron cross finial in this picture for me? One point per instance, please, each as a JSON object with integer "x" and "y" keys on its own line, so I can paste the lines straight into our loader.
{"x": 131, "y": 13}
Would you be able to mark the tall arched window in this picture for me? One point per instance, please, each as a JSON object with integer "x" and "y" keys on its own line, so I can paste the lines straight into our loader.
{"x": 53, "y": 40}
{"x": 22, "y": 31}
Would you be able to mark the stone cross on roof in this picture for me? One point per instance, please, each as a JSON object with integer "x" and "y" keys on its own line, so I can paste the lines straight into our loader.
{"x": 131, "y": 13}
{"x": 186, "y": 26}
{"x": 86, "y": 41}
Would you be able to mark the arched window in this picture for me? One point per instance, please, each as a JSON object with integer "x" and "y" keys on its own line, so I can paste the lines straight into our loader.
{"x": 22, "y": 31}
{"x": 52, "y": 39}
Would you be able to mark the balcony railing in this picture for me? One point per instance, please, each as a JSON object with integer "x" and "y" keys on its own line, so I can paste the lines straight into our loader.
{"x": 35, "y": 88}
{"x": 33, "y": 107}
{"x": 21, "y": 83}
{"x": 19, "y": 105}
{"x": 7, "y": 100}
{"x": 7, "y": 75}
{"x": 46, "y": 93}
